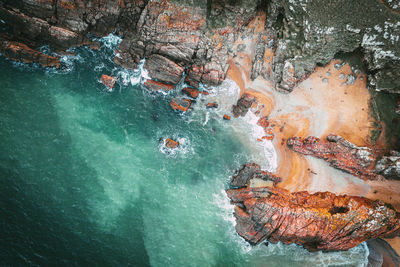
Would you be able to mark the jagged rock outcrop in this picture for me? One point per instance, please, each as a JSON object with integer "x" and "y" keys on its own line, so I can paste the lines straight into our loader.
{"x": 314, "y": 32}
{"x": 198, "y": 35}
{"x": 21, "y": 52}
{"x": 389, "y": 166}
{"x": 243, "y": 105}
{"x": 339, "y": 153}
{"x": 252, "y": 171}
{"x": 320, "y": 221}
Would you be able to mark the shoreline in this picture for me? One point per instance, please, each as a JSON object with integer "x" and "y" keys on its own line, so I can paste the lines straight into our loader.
{"x": 331, "y": 100}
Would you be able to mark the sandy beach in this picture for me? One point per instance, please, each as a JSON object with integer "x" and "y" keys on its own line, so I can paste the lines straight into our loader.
{"x": 334, "y": 99}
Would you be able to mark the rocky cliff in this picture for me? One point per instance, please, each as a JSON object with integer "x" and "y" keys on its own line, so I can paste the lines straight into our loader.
{"x": 197, "y": 36}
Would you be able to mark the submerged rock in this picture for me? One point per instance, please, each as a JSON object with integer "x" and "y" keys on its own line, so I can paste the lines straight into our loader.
{"x": 339, "y": 153}
{"x": 320, "y": 221}
{"x": 108, "y": 81}
{"x": 227, "y": 117}
{"x": 181, "y": 104}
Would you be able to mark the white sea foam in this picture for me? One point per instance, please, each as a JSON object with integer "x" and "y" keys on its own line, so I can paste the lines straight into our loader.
{"x": 110, "y": 41}
{"x": 184, "y": 148}
{"x": 134, "y": 77}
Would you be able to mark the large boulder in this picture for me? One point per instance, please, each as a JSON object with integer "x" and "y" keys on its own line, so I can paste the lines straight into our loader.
{"x": 320, "y": 221}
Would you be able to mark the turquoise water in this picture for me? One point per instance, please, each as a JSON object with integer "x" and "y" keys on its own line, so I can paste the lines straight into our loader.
{"x": 85, "y": 178}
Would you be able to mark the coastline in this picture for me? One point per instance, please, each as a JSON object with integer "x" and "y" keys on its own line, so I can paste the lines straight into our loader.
{"x": 334, "y": 99}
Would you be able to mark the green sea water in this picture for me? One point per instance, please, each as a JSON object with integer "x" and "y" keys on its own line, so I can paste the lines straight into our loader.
{"x": 86, "y": 179}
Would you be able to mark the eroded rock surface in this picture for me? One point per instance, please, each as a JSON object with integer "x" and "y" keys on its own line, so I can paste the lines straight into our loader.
{"x": 320, "y": 221}
{"x": 339, "y": 153}
{"x": 252, "y": 171}
{"x": 20, "y": 52}
{"x": 389, "y": 166}
{"x": 243, "y": 105}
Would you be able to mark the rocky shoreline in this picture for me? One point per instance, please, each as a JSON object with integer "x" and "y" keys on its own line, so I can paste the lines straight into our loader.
{"x": 269, "y": 48}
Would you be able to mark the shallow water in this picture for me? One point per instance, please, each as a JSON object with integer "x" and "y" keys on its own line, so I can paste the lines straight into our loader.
{"x": 85, "y": 178}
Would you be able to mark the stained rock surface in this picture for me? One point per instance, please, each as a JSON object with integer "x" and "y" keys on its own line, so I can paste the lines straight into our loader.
{"x": 21, "y": 52}
{"x": 320, "y": 221}
{"x": 180, "y": 104}
{"x": 339, "y": 153}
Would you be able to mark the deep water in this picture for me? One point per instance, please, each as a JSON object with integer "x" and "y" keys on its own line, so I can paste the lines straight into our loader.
{"x": 85, "y": 179}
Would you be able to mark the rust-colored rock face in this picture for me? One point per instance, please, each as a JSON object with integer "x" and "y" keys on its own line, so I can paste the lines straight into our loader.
{"x": 320, "y": 221}
{"x": 180, "y": 104}
{"x": 158, "y": 86}
{"x": 108, "y": 81}
{"x": 21, "y": 52}
{"x": 340, "y": 154}
{"x": 192, "y": 92}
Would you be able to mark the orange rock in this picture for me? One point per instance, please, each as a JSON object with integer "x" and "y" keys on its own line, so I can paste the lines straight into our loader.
{"x": 227, "y": 117}
{"x": 268, "y": 137}
{"x": 263, "y": 122}
{"x": 192, "y": 92}
{"x": 157, "y": 86}
{"x": 21, "y": 52}
{"x": 212, "y": 105}
{"x": 108, "y": 81}
{"x": 259, "y": 140}
{"x": 321, "y": 221}
{"x": 339, "y": 153}
{"x": 204, "y": 93}
{"x": 181, "y": 104}
{"x": 171, "y": 143}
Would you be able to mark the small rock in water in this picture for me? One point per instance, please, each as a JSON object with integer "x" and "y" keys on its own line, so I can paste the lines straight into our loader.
{"x": 192, "y": 92}
{"x": 108, "y": 81}
{"x": 171, "y": 143}
{"x": 212, "y": 105}
{"x": 181, "y": 104}
{"x": 227, "y": 117}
